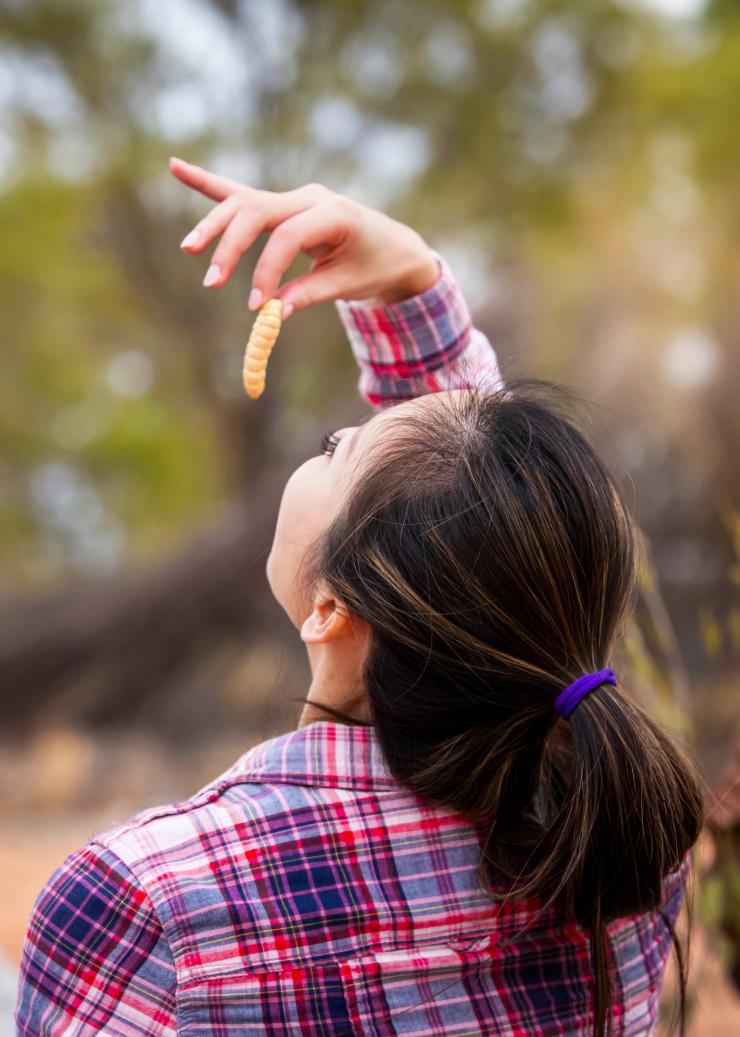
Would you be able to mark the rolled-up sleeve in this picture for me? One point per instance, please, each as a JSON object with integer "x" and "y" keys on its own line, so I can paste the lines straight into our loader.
{"x": 426, "y": 343}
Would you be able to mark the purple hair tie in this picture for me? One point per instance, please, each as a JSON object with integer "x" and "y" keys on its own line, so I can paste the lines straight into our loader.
{"x": 568, "y": 699}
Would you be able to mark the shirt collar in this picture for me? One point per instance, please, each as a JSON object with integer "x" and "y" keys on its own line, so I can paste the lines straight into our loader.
{"x": 325, "y": 752}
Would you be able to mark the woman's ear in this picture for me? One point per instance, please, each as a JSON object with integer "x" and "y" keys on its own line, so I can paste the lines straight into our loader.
{"x": 327, "y": 620}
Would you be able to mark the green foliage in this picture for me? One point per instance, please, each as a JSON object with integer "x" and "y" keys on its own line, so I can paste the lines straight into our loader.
{"x": 581, "y": 155}
{"x": 69, "y": 310}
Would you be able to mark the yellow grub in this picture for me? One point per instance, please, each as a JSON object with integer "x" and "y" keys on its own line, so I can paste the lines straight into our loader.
{"x": 262, "y": 338}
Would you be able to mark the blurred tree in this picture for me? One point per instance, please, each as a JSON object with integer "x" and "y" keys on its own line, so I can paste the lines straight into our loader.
{"x": 573, "y": 160}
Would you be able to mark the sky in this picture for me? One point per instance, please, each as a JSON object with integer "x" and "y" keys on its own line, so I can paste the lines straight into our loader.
{"x": 671, "y": 7}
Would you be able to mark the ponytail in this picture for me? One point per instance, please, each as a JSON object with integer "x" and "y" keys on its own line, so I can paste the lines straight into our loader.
{"x": 623, "y": 812}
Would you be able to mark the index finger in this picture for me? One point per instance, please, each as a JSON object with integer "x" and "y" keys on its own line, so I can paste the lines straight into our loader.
{"x": 209, "y": 184}
{"x": 322, "y": 224}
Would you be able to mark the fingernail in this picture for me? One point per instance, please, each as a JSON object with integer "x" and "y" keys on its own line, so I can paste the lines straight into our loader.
{"x": 190, "y": 239}
{"x": 212, "y": 274}
{"x": 255, "y": 298}
{"x": 287, "y": 310}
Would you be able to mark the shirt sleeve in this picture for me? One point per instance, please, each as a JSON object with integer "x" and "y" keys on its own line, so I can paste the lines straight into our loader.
{"x": 95, "y": 957}
{"x": 419, "y": 345}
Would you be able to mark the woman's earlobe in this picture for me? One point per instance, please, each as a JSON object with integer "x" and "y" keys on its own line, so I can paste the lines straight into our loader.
{"x": 311, "y": 628}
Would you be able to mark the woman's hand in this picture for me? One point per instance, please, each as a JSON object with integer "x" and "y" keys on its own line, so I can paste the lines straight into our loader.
{"x": 357, "y": 252}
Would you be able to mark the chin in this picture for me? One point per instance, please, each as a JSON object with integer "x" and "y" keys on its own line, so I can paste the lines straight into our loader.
{"x": 268, "y": 573}
{"x": 275, "y": 591}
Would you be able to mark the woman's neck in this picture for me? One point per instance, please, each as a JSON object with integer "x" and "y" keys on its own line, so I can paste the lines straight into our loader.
{"x": 336, "y": 680}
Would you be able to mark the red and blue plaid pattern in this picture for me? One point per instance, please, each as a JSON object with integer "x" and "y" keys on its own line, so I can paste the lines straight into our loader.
{"x": 305, "y": 891}
{"x": 420, "y": 345}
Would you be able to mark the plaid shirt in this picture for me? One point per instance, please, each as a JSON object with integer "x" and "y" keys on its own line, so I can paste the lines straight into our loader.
{"x": 305, "y": 890}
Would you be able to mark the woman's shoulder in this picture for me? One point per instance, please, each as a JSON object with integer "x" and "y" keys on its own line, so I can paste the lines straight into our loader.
{"x": 280, "y": 774}
{"x": 674, "y": 889}
{"x": 170, "y": 827}
{"x": 91, "y": 921}
{"x": 675, "y": 886}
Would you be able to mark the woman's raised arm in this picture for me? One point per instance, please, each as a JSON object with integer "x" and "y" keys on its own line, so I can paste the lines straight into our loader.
{"x": 407, "y": 321}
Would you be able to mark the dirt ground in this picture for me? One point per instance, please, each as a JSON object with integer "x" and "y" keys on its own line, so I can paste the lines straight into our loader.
{"x": 31, "y": 850}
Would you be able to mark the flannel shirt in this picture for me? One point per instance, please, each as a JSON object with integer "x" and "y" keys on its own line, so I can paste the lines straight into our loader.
{"x": 305, "y": 890}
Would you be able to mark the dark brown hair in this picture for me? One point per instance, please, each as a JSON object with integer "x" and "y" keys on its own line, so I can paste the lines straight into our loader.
{"x": 489, "y": 552}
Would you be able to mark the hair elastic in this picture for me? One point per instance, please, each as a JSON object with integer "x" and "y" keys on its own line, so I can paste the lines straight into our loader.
{"x": 569, "y": 698}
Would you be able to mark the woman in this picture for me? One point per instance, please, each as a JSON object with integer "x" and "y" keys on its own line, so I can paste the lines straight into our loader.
{"x": 488, "y": 836}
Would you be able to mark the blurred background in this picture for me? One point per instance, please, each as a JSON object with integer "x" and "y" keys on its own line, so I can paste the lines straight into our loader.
{"x": 576, "y": 162}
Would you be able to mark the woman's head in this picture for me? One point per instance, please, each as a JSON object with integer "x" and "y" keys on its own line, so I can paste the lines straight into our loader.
{"x": 314, "y": 494}
{"x": 487, "y": 551}
{"x": 483, "y": 519}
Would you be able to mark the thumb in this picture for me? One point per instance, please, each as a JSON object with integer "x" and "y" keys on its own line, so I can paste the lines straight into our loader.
{"x": 310, "y": 289}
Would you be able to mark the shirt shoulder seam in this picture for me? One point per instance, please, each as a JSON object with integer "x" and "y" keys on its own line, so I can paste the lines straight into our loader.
{"x": 142, "y": 886}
